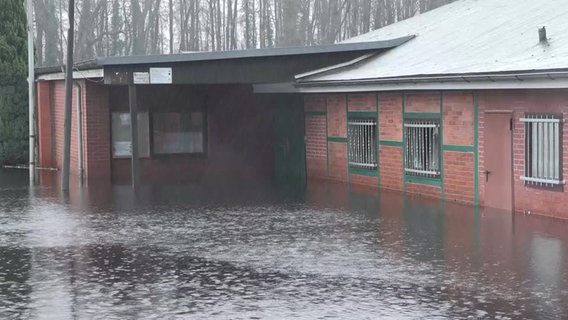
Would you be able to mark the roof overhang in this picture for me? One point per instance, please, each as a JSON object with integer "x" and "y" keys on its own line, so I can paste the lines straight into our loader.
{"x": 251, "y": 53}
{"x": 258, "y": 66}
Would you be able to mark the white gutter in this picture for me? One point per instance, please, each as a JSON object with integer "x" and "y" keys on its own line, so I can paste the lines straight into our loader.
{"x": 81, "y": 74}
{"x": 481, "y": 85}
{"x": 79, "y": 130}
{"x": 527, "y": 80}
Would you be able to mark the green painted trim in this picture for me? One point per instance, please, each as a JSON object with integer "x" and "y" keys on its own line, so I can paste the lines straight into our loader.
{"x": 316, "y": 113}
{"x": 442, "y": 190}
{"x": 362, "y": 114}
{"x": 476, "y": 149}
{"x": 346, "y": 134}
{"x": 458, "y": 148}
{"x": 377, "y": 134}
{"x": 391, "y": 143}
{"x": 326, "y": 140}
{"x": 363, "y": 172}
{"x": 422, "y": 115}
{"x": 426, "y": 181}
{"x": 403, "y": 148}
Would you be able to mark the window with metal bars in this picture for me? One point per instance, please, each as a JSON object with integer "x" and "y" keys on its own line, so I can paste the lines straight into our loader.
{"x": 422, "y": 148}
{"x": 362, "y": 140}
{"x": 543, "y": 150}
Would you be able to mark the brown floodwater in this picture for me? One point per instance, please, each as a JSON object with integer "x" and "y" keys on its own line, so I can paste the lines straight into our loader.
{"x": 259, "y": 251}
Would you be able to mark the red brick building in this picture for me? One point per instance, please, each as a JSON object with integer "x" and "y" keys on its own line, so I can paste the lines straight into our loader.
{"x": 198, "y": 118}
{"x": 466, "y": 111}
{"x": 464, "y": 103}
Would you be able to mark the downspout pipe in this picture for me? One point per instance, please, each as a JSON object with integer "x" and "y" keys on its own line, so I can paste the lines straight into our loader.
{"x": 79, "y": 130}
{"x": 31, "y": 99}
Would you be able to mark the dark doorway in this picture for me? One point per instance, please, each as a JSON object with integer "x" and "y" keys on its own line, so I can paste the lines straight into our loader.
{"x": 289, "y": 145}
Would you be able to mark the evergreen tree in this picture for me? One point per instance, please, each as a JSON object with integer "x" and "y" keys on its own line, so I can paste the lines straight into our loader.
{"x": 13, "y": 84}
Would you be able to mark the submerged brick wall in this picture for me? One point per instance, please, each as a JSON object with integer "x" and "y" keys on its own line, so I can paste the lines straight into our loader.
{"x": 96, "y": 132}
{"x": 459, "y": 176}
{"x": 390, "y": 129}
{"x": 316, "y": 136}
{"x": 44, "y": 124}
{"x": 454, "y": 110}
{"x": 95, "y": 122}
{"x": 390, "y": 168}
{"x": 316, "y": 146}
{"x": 337, "y": 152}
{"x": 458, "y": 118}
{"x": 57, "y": 124}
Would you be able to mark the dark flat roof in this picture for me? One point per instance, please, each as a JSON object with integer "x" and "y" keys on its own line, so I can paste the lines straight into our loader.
{"x": 252, "y": 53}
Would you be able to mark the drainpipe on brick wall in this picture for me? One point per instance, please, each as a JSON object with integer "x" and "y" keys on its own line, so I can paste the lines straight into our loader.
{"x": 31, "y": 99}
{"x": 79, "y": 130}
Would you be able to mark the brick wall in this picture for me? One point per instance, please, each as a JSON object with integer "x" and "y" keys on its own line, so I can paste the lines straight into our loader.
{"x": 96, "y": 132}
{"x": 362, "y": 102}
{"x": 422, "y": 190}
{"x": 422, "y": 102}
{"x": 314, "y": 103}
{"x": 57, "y": 124}
{"x": 459, "y": 176}
{"x": 458, "y": 112}
{"x": 390, "y": 128}
{"x": 527, "y": 198}
{"x": 390, "y": 116}
{"x": 360, "y": 180}
{"x": 458, "y": 126}
{"x": 458, "y": 118}
{"x": 390, "y": 167}
{"x": 336, "y": 116}
{"x": 337, "y": 152}
{"x": 44, "y": 123}
{"x": 316, "y": 146}
{"x": 316, "y": 136}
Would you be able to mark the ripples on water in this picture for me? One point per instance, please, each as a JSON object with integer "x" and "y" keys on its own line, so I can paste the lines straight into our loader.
{"x": 236, "y": 252}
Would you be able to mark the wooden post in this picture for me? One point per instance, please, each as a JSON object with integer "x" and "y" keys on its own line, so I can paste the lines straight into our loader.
{"x": 68, "y": 101}
{"x": 134, "y": 134}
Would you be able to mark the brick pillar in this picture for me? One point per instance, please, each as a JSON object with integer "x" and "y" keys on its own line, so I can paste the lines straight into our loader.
{"x": 96, "y": 133}
{"x": 44, "y": 124}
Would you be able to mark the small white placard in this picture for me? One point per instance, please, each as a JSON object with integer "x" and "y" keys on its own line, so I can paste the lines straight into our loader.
{"x": 160, "y": 75}
{"x": 141, "y": 77}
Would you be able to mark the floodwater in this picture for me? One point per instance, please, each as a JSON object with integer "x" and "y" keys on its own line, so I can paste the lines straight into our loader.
{"x": 251, "y": 251}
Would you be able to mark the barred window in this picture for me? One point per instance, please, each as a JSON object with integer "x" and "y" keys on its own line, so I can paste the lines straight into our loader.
{"x": 362, "y": 139}
{"x": 422, "y": 146}
{"x": 543, "y": 150}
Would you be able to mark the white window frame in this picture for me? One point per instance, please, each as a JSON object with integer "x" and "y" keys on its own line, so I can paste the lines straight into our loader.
{"x": 422, "y": 145}
{"x": 191, "y": 153}
{"x": 543, "y": 150}
{"x": 123, "y": 149}
{"x": 362, "y": 140}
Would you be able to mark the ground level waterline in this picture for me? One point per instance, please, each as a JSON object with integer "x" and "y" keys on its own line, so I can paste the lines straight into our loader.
{"x": 251, "y": 251}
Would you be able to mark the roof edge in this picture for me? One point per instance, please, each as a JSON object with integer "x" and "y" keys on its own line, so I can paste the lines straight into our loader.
{"x": 253, "y": 53}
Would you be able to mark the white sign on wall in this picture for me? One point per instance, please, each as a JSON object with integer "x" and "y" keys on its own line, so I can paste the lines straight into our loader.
{"x": 141, "y": 77}
{"x": 160, "y": 75}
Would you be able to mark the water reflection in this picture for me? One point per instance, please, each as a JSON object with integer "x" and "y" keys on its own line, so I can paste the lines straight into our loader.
{"x": 255, "y": 251}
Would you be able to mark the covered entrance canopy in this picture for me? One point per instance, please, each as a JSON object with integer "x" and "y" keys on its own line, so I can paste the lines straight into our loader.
{"x": 275, "y": 67}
